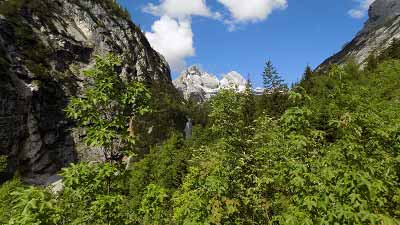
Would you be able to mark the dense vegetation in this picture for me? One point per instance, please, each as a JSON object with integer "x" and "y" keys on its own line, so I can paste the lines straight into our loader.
{"x": 325, "y": 152}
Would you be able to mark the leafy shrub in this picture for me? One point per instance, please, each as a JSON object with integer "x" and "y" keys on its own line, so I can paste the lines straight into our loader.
{"x": 7, "y": 200}
{"x": 34, "y": 206}
{"x": 93, "y": 194}
{"x": 109, "y": 109}
{"x": 333, "y": 157}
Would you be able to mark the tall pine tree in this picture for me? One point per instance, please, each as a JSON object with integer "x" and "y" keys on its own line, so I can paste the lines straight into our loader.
{"x": 248, "y": 104}
{"x": 306, "y": 79}
{"x": 271, "y": 79}
{"x": 307, "y": 73}
{"x": 274, "y": 100}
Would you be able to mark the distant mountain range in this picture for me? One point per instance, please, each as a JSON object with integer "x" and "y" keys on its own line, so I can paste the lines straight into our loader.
{"x": 199, "y": 86}
{"x": 381, "y": 28}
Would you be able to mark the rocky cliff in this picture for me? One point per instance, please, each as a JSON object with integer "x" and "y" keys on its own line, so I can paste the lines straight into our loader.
{"x": 381, "y": 28}
{"x": 44, "y": 45}
{"x": 199, "y": 86}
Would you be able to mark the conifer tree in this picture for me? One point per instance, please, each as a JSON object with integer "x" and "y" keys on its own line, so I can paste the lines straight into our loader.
{"x": 248, "y": 104}
{"x": 271, "y": 79}
{"x": 372, "y": 62}
{"x": 391, "y": 52}
{"x": 306, "y": 79}
{"x": 275, "y": 97}
{"x": 307, "y": 73}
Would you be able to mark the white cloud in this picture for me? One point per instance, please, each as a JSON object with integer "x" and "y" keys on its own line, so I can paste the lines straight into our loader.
{"x": 173, "y": 39}
{"x": 361, "y": 10}
{"x": 252, "y": 10}
{"x": 179, "y": 8}
{"x": 172, "y": 35}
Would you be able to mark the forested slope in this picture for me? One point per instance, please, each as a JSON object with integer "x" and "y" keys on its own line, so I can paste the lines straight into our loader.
{"x": 331, "y": 158}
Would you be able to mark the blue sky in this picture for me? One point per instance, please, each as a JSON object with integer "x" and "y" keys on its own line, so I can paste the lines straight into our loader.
{"x": 226, "y": 35}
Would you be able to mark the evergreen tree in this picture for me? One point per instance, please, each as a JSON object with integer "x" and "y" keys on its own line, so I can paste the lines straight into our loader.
{"x": 392, "y": 52}
{"x": 248, "y": 104}
{"x": 275, "y": 97}
{"x": 308, "y": 73}
{"x": 271, "y": 79}
{"x": 306, "y": 79}
{"x": 372, "y": 62}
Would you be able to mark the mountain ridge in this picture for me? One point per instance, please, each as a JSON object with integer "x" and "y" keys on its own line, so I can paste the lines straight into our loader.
{"x": 381, "y": 28}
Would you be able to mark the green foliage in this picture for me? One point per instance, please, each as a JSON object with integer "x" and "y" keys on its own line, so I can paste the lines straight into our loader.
{"x": 353, "y": 68}
{"x": 274, "y": 104}
{"x": 198, "y": 112}
{"x": 93, "y": 194}
{"x": 226, "y": 113}
{"x": 308, "y": 73}
{"x": 109, "y": 109}
{"x": 248, "y": 105}
{"x": 274, "y": 100}
{"x": 10, "y": 7}
{"x": 165, "y": 165}
{"x": 307, "y": 79}
{"x": 392, "y": 52}
{"x": 330, "y": 156}
{"x": 29, "y": 45}
{"x": 7, "y": 200}
{"x": 107, "y": 209}
{"x": 372, "y": 62}
{"x": 3, "y": 163}
{"x": 205, "y": 195}
{"x": 330, "y": 159}
{"x": 154, "y": 206}
{"x": 88, "y": 180}
{"x": 154, "y": 178}
{"x": 168, "y": 115}
{"x": 34, "y": 206}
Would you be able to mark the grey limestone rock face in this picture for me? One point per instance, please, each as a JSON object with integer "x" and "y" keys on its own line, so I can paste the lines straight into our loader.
{"x": 381, "y": 28}
{"x": 42, "y": 53}
{"x": 381, "y": 11}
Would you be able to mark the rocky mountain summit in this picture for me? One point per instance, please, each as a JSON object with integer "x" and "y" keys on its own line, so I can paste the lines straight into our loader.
{"x": 381, "y": 28}
{"x": 44, "y": 46}
{"x": 199, "y": 86}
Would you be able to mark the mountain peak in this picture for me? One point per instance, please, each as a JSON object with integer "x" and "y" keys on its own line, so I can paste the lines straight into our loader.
{"x": 197, "y": 85}
{"x": 194, "y": 69}
{"x": 233, "y": 79}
